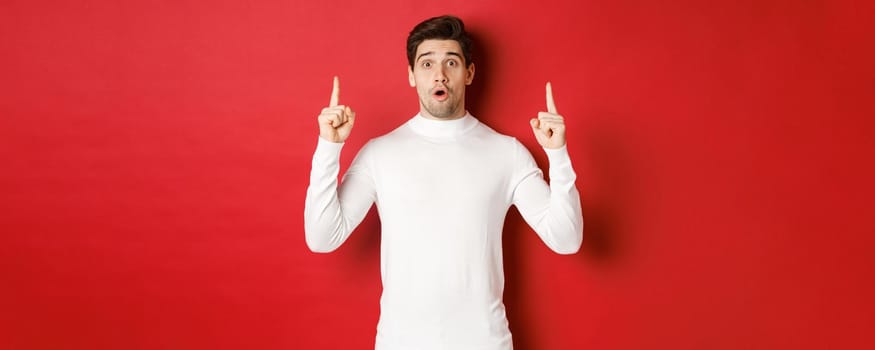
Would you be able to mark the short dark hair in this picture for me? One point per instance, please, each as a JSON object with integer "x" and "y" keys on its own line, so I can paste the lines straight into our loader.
{"x": 442, "y": 28}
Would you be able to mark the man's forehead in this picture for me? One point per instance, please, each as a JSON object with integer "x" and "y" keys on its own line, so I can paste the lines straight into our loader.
{"x": 438, "y": 47}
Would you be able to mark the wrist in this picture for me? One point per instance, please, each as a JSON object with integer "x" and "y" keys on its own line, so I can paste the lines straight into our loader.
{"x": 324, "y": 142}
{"x": 332, "y": 139}
{"x": 556, "y": 153}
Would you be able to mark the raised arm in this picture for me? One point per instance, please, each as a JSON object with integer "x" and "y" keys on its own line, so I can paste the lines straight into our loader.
{"x": 331, "y": 212}
{"x": 552, "y": 210}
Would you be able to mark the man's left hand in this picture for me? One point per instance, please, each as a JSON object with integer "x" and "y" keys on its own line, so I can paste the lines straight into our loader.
{"x": 549, "y": 127}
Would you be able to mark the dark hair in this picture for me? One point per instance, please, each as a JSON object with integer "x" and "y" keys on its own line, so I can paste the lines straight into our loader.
{"x": 442, "y": 28}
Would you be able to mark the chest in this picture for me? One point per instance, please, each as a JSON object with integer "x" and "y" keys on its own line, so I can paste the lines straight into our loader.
{"x": 440, "y": 176}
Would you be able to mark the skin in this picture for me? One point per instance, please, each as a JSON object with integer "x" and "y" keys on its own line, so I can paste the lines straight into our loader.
{"x": 549, "y": 127}
{"x": 440, "y": 65}
{"x": 336, "y": 120}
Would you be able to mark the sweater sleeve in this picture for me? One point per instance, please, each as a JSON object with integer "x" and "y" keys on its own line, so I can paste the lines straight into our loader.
{"x": 331, "y": 212}
{"x": 552, "y": 210}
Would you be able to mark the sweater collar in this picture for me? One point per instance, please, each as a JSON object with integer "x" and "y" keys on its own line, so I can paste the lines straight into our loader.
{"x": 442, "y": 128}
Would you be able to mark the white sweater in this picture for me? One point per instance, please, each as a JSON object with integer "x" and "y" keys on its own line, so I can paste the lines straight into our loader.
{"x": 442, "y": 190}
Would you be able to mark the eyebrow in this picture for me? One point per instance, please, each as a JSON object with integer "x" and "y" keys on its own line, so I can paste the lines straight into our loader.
{"x": 451, "y": 53}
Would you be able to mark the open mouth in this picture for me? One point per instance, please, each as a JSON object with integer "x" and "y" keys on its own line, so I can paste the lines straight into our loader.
{"x": 440, "y": 94}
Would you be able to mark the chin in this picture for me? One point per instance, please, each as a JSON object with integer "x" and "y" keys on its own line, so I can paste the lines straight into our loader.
{"x": 445, "y": 115}
{"x": 440, "y": 110}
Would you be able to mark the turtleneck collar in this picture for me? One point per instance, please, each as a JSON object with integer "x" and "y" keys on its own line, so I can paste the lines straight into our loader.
{"x": 442, "y": 128}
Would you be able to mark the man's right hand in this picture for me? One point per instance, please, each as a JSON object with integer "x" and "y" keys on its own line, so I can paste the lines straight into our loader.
{"x": 335, "y": 121}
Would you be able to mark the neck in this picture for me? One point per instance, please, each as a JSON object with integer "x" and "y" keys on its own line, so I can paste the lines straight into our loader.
{"x": 426, "y": 115}
{"x": 442, "y": 128}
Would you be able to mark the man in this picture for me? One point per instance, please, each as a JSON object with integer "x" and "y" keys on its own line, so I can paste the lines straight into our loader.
{"x": 442, "y": 183}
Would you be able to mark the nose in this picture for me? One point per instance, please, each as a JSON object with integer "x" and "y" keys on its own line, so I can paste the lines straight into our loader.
{"x": 439, "y": 76}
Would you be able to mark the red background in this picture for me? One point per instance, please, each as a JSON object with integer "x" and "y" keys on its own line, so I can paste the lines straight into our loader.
{"x": 154, "y": 158}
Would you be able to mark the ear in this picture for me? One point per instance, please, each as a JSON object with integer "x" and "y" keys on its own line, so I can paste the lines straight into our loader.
{"x": 470, "y": 76}
{"x": 410, "y": 78}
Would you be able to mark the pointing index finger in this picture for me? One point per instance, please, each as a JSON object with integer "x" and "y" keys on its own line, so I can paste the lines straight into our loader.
{"x": 551, "y": 106}
{"x": 335, "y": 93}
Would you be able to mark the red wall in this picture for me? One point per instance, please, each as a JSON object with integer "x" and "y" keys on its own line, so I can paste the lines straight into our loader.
{"x": 154, "y": 157}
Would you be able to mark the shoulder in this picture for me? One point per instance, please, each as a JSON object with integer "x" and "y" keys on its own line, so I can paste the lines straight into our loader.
{"x": 521, "y": 155}
{"x": 506, "y": 141}
{"x": 391, "y": 138}
{"x": 386, "y": 143}
{"x": 511, "y": 151}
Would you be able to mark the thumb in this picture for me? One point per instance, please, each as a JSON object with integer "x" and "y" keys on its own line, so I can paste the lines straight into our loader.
{"x": 535, "y": 123}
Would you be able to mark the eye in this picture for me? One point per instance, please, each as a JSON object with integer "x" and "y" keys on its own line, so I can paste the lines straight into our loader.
{"x": 426, "y": 64}
{"x": 452, "y": 63}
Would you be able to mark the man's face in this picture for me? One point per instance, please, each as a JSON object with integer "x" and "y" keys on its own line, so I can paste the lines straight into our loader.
{"x": 440, "y": 75}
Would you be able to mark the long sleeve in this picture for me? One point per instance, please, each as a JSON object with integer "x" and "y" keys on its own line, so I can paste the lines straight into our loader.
{"x": 553, "y": 210}
{"x": 331, "y": 212}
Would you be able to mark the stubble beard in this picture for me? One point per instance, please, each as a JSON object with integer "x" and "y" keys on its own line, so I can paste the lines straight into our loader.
{"x": 441, "y": 110}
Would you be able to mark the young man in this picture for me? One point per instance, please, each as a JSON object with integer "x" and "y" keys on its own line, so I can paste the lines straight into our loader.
{"x": 443, "y": 183}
